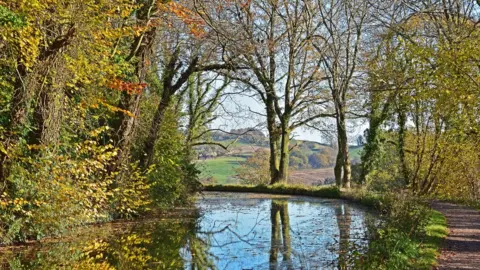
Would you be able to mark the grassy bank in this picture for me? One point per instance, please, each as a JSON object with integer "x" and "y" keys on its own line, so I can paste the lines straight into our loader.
{"x": 324, "y": 192}
{"x": 331, "y": 192}
{"x": 408, "y": 236}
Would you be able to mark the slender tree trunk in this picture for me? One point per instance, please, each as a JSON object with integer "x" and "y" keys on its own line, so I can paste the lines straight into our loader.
{"x": 402, "y": 120}
{"x": 125, "y": 127}
{"x": 340, "y": 158}
{"x": 149, "y": 148}
{"x": 369, "y": 150}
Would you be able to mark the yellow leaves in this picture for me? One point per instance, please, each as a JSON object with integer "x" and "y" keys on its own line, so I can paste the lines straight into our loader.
{"x": 95, "y": 246}
{"x": 113, "y": 108}
{"x": 3, "y": 150}
{"x": 25, "y": 41}
{"x": 97, "y": 132}
{"x": 138, "y": 30}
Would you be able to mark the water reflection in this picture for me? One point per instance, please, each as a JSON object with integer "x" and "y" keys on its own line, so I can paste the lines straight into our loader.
{"x": 344, "y": 221}
{"x": 233, "y": 232}
{"x": 158, "y": 245}
{"x": 280, "y": 238}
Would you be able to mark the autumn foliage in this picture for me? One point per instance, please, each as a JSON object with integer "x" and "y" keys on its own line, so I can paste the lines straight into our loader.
{"x": 70, "y": 74}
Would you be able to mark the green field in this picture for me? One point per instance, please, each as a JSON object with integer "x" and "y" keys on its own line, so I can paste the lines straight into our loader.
{"x": 355, "y": 151}
{"x": 222, "y": 169}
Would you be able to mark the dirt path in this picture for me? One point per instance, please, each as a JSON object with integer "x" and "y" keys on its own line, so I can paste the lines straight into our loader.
{"x": 461, "y": 249}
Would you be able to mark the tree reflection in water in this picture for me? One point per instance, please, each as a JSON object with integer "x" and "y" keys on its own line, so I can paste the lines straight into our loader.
{"x": 280, "y": 221}
{"x": 344, "y": 221}
{"x": 153, "y": 245}
{"x": 233, "y": 232}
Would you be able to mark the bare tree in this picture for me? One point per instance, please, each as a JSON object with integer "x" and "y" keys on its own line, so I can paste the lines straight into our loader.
{"x": 273, "y": 39}
{"x": 342, "y": 30}
{"x": 203, "y": 96}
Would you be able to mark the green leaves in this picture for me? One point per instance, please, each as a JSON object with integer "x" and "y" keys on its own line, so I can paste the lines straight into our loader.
{"x": 10, "y": 19}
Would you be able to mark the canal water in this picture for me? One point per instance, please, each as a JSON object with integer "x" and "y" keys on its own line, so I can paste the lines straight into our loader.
{"x": 228, "y": 231}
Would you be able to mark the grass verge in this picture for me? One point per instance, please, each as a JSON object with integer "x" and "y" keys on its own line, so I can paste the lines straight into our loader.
{"x": 436, "y": 231}
{"x": 409, "y": 235}
{"x": 324, "y": 192}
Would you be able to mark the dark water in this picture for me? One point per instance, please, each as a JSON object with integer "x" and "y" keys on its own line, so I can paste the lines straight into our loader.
{"x": 233, "y": 231}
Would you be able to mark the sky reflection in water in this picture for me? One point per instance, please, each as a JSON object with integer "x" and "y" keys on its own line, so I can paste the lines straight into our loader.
{"x": 233, "y": 231}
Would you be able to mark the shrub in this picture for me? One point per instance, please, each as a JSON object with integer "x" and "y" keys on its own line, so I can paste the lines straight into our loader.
{"x": 255, "y": 170}
{"x": 400, "y": 239}
{"x": 47, "y": 194}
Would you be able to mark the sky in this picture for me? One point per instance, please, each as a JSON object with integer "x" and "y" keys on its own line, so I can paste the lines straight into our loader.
{"x": 243, "y": 112}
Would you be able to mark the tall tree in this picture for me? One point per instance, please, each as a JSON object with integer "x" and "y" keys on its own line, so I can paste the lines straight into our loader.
{"x": 273, "y": 39}
{"x": 45, "y": 48}
{"x": 139, "y": 56}
{"x": 430, "y": 67}
{"x": 342, "y": 30}
{"x": 185, "y": 48}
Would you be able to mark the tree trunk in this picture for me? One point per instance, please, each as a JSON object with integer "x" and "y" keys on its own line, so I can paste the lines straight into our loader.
{"x": 402, "y": 120}
{"x": 149, "y": 148}
{"x": 347, "y": 170}
{"x": 376, "y": 118}
{"x": 343, "y": 158}
{"x": 274, "y": 137}
{"x": 125, "y": 128}
{"x": 23, "y": 95}
{"x": 284, "y": 155}
{"x": 338, "y": 168}
{"x": 369, "y": 150}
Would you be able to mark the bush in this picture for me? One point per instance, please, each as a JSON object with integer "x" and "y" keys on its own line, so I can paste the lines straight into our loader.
{"x": 255, "y": 170}
{"x": 50, "y": 193}
{"x": 174, "y": 177}
{"x": 402, "y": 239}
{"x": 299, "y": 159}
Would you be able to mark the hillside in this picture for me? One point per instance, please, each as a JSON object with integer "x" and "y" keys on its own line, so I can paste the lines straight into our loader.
{"x": 218, "y": 165}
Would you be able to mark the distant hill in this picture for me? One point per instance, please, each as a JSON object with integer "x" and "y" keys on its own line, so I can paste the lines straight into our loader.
{"x": 308, "y": 160}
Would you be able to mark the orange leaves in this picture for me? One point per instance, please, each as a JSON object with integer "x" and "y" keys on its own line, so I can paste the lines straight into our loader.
{"x": 129, "y": 87}
{"x": 246, "y": 5}
{"x": 194, "y": 22}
